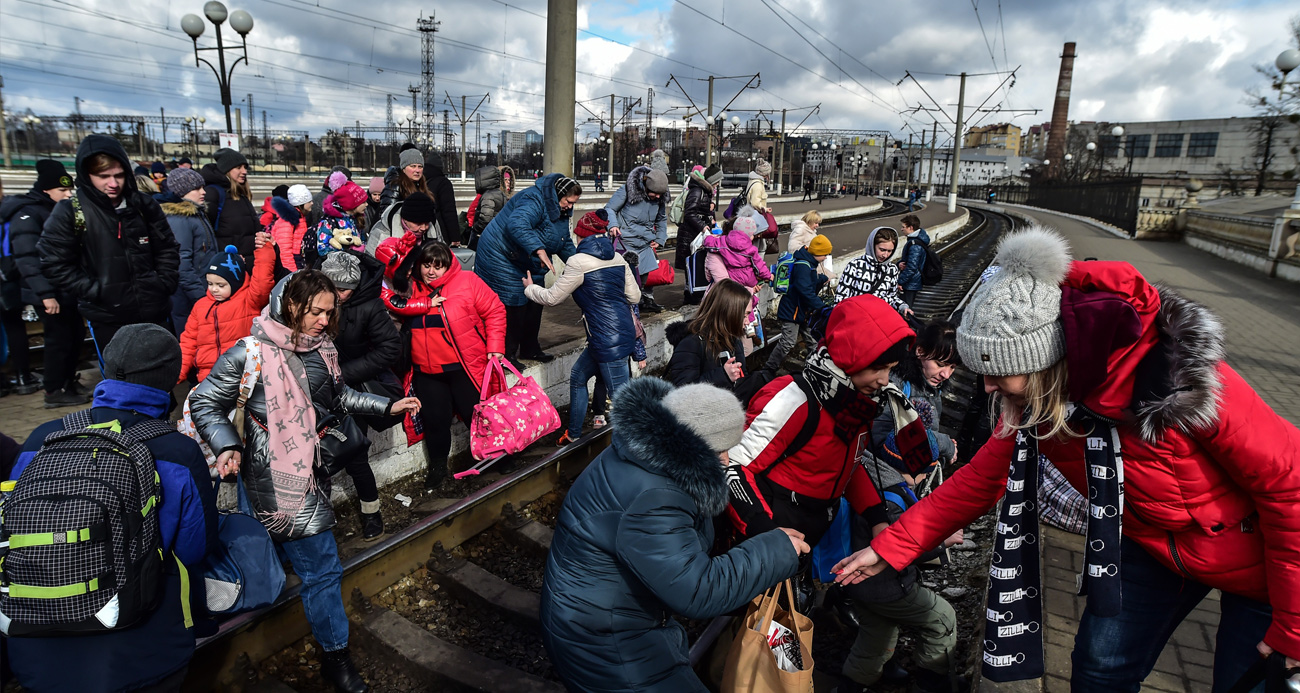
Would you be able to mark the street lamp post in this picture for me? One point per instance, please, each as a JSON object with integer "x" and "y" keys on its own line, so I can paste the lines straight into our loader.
{"x": 242, "y": 23}
{"x": 1287, "y": 61}
{"x": 193, "y": 121}
{"x": 32, "y": 122}
{"x": 1118, "y": 133}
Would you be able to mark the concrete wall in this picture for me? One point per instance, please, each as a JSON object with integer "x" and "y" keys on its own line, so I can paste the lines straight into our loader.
{"x": 1243, "y": 239}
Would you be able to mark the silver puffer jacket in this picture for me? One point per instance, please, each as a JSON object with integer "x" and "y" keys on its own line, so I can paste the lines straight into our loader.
{"x": 215, "y": 397}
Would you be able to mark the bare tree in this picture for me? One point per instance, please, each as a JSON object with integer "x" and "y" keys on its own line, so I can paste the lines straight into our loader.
{"x": 1281, "y": 112}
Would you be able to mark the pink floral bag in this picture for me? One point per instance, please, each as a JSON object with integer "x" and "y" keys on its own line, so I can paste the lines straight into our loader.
{"x": 511, "y": 420}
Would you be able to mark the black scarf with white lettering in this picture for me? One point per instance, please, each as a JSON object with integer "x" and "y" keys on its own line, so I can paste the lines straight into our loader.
{"x": 1013, "y": 639}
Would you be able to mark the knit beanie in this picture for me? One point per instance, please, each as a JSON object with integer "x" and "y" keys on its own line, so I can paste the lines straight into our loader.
{"x": 281, "y": 191}
{"x": 713, "y": 174}
{"x": 763, "y": 168}
{"x": 418, "y": 208}
{"x": 1012, "y": 325}
{"x": 182, "y": 181}
{"x": 710, "y": 412}
{"x": 376, "y": 185}
{"x": 140, "y": 170}
{"x": 344, "y": 269}
{"x": 229, "y": 266}
{"x": 299, "y": 195}
{"x": 158, "y": 167}
{"x": 228, "y": 159}
{"x": 51, "y": 174}
{"x": 349, "y": 196}
{"x": 563, "y": 183}
{"x": 745, "y": 224}
{"x": 336, "y": 179}
{"x": 347, "y": 174}
{"x": 433, "y": 160}
{"x": 656, "y": 182}
{"x": 592, "y": 223}
{"x": 410, "y": 157}
{"x": 820, "y": 245}
{"x": 144, "y": 354}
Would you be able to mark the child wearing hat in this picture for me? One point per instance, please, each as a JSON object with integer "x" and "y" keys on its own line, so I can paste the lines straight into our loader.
{"x": 225, "y": 314}
{"x": 289, "y": 224}
{"x": 801, "y": 304}
{"x": 338, "y": 224}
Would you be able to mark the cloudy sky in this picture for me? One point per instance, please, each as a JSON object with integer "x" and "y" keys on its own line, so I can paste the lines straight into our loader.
{"x": 318, "y": 64}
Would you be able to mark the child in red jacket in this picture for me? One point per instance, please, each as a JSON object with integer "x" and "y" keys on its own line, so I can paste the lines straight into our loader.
{"x": 225, "y": 314}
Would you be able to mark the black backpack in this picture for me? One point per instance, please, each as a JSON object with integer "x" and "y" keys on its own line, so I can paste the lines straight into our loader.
{"x": 80, "y": 545}
{"x": 932, "y": 270}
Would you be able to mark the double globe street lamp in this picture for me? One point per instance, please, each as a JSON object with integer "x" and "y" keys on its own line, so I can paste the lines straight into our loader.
{"x": 242, "y": 23}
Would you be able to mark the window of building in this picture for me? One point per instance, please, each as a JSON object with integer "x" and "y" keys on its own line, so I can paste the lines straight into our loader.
{"x": 1109, "y": 145}
{"x": 1170, "y": 145}
{"x": 1138, "y": 146}
{"x": 1203, "y": 144}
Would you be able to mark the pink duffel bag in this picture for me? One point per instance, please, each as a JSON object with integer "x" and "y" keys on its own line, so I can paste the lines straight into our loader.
{"x": 511, "y": 420}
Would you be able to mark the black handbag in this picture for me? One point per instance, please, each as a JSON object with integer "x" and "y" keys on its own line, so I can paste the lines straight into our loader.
{"x": 1270, "y": 671}
{"x": 341, "y": 443}
{"x": 385, "y": 385}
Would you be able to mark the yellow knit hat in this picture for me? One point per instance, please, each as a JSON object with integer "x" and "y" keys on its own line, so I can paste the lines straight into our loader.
{"x": 820, "y": 245}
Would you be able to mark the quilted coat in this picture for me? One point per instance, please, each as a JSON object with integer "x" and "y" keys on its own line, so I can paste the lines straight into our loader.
{"x": 639, "y": 219}
{"x": 197, "y": 243}
{"x": 530, "y": 221}
{"x": 214, "y": 398}
{"x": 604, "y": 288}
{"x": 1211, "y": 473}
{"x": 631, "y": 549}
{"x": 697, "y": 217}
{"x": 214, "y": 327}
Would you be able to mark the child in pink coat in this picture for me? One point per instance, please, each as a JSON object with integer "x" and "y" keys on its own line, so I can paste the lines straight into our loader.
{"x": 733, "y": 255}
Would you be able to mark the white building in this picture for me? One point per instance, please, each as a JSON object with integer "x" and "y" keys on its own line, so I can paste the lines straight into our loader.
{"x": 976, "y": 167}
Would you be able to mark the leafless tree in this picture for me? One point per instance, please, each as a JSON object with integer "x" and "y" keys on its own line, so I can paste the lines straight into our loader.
{"x": 1277, "y": 110}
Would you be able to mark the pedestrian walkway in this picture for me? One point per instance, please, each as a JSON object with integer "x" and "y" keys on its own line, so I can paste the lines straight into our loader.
{"x": 1262, "y": 322}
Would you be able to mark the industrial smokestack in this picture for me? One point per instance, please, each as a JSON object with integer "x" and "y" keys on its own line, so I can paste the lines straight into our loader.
{"x": 1060, "y": 112}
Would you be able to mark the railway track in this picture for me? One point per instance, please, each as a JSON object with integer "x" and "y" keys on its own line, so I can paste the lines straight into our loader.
{"x": 450, "y": 602}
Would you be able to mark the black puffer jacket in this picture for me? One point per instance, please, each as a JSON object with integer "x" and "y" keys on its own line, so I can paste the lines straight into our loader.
{"x": 26, "y": 215}
{"x": 236, "y": 221}
{"x": 697, "y": 217}
{"x": 444, "y": 197}
{"x": 368, "y": 341}
{"x": 124, "y": 265}
{"x": 487, "y": 183}
{"x": 692, "y": 362}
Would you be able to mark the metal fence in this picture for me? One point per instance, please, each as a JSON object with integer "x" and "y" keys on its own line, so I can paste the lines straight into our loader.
{"x": 1112, "y": 201}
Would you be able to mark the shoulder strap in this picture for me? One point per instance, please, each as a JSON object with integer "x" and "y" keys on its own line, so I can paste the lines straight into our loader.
{"x": 812, "y": 416}
{"x": 77, "y": 420}
{"x": 148, "y": 429}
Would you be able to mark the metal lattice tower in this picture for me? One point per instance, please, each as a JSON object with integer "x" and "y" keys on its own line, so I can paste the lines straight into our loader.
{"x": 391, "y": 133}
{"x": 428, "y": 26}
{"x": 252, "y": 123}
{"x": 448, "y": 140}
{"x": 649, "y": 135}
{"x": 415, "y": 111}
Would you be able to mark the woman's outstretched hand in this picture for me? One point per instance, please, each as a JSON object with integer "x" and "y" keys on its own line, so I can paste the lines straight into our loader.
{"x": 858, "y": 567}
{"x": 796, "y": 538}
{"x": 404, "y": 405}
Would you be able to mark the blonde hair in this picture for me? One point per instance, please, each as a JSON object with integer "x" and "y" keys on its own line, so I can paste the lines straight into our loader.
{"x": 1047, "y": 403}
{"x": 813, "y": 217}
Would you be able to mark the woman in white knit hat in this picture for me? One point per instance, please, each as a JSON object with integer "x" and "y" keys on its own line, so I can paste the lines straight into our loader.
{"x": 1124, "y": 386}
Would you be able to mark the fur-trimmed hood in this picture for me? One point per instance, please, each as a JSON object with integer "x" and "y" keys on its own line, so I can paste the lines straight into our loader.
{"x": 647, "y": 434}
{"x": 183, "y": 208}
{"x": 1178, "y": 381}
{"x": 636, "y": 185}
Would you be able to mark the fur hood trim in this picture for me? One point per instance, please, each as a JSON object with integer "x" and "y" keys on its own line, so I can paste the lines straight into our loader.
{"x": 647, "y": 434}
{"x": 636, "y": 185}
{"x": 1192, "y": 340}
{"x": 184, "y": 208}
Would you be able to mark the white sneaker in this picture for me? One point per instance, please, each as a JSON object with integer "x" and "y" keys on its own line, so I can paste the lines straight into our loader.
{"x": 598, "y": 421}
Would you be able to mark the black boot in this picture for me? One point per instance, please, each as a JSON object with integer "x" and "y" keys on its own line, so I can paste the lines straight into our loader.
{"x": 648, "y": 305}
{"x": 893, "y": 672}
{"x": 64, "y": 398}
{"x": 434, "y": 475}
{"x": 338, "y": 669}
{"x": 932, "y": 682}
{"x": 372, "y": 521}
{"x": 26, "y": 382}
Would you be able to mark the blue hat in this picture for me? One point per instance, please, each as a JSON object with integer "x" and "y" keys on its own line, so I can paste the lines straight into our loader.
{"x": 229, "y": 266}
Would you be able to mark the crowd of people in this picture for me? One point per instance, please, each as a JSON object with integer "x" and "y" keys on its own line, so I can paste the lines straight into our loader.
{"x": 365, "y": 308}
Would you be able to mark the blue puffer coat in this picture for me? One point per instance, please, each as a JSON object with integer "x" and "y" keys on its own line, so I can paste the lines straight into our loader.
{"x": 639, "y": 219}
{"x": 530, "y": 221}
{"x": 631, "y": 549}
{"x": 801, "y": 301}
{"x": 914, "y": 259}
{"x": 604, "y": 288}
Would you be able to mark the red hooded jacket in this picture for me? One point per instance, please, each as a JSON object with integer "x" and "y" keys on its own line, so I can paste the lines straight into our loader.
{"x": 1210, "y": 471}
{"x": 214, "y": 327}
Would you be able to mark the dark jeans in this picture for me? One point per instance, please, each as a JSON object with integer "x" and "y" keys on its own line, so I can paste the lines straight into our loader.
{"x": 16, "y": 336}
{"x": 443, "y": 396}
{"x": 64, "y": 333}
{"x": 523, "y": 323}
{"x": 1114, "y": 654}
{"x": 614, "y": 375}
{"x": 363, "y": 477}
{"x": 909, "y": 296}
{"x": 103, "y": 333}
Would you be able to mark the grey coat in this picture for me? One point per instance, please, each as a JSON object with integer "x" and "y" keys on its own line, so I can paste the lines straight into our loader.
{"x": 639, "y": 220}
{"x": 214, "y": 398}
{"x": 198, "y": 242}
{"x": 487, "y": 183}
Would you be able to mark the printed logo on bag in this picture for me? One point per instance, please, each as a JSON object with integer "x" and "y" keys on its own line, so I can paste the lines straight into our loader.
{"x": 1017, "y": 594}
{"x": 1005, "y": 573}
{"x": 1017, "y": 629}
{"x": 1004, "y": 660}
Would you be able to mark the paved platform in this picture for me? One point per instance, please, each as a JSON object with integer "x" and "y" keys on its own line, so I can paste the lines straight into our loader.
{"x": 1262, "y": 321}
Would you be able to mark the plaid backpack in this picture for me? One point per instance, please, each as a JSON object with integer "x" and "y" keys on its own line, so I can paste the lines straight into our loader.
{"x": 80, "y": 546}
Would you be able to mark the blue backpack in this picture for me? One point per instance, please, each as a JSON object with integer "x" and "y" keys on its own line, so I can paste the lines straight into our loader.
{"x": 242, "y": 572}
{"x": 781, "y": 273}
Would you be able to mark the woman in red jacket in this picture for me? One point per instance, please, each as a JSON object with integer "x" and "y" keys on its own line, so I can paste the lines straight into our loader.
{"x": 1124, "y": 387}
{"x": 457, "y": 326}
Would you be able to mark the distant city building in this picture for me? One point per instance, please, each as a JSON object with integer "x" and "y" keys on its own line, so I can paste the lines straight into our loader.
{"x": 1209, "y": 148}
{"x": 1033, "y": 143}
{"x": 1000, "y": 136}
{"x": 977, "y": 167}
{"x": 513, "y": 142}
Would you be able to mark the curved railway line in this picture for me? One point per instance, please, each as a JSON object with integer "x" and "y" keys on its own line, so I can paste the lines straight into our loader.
{"x": 441, "y": 575}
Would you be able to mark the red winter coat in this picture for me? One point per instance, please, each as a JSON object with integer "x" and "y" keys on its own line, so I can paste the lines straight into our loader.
{"x": 476, "y": 317}
{"x": 1210, "y": 471}
{"x": 214, "y": 327}
{"x": 287, "y": 226}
